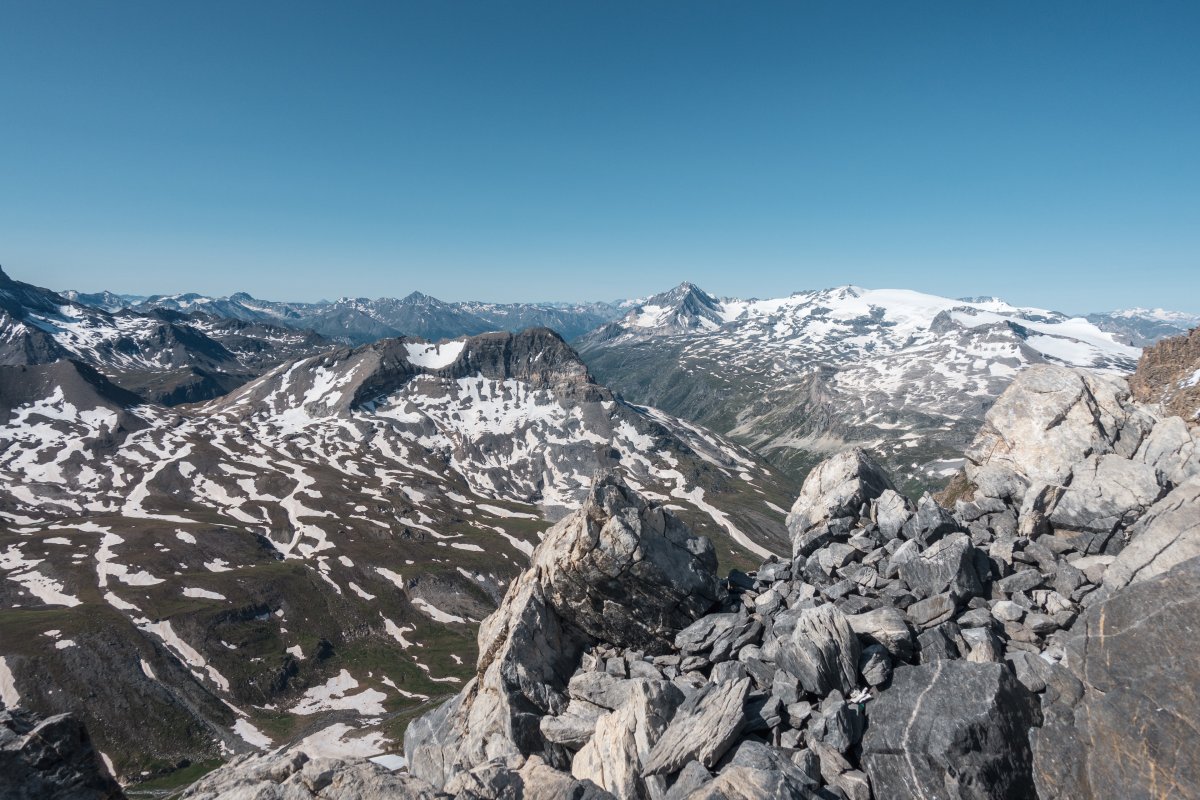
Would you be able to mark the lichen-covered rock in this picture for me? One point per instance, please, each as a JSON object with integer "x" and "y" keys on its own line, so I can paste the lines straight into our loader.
{"x": 951, "y": 729}
{"x": 626, "y": 572}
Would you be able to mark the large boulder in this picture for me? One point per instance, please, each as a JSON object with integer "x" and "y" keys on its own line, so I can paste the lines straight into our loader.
{"x": 617, "y": 570}
{"x": 1173, "y": 449}
{"x": 820, "y": 649}
{"x": 703, "y": 728}
{"x": 1132, "y": 733}
{"x": 626, "y": 572}
{"x": 1168, "y": 534}
{"x": 837, "y": 487}
{"x": 50, "y": 759}
{"x": 1051, "y": 417}
{"x": 951, "y": 729}
{"x": 1105, "y": 493}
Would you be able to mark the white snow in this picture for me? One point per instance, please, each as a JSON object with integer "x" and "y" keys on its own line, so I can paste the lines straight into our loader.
{"x": 251, "y": 734}
{"x": 184, "y": 651}
{"x": 433, "y": 356}
{"x": 497, "y": 511}
{"x": 190, "y": 591}
{"x": 336, "y": 741}
{"x": 434, "y": 613}
{"x": 334, "y": 695}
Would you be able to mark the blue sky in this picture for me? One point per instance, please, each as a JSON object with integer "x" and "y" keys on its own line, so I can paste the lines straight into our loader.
{"x": 1046, "y": 152}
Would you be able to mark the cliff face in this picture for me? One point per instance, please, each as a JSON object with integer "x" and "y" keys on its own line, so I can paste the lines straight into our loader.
{"x": 1169, "y": 374}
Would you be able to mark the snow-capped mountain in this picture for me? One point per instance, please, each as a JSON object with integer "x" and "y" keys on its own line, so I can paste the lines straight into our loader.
{"x": 162, "y": 355}
{"x": 800, "y": 376}
{"x": 1142, "y": 327}
{"x": 361, "y": 320}
{"x": 311, "y": 551}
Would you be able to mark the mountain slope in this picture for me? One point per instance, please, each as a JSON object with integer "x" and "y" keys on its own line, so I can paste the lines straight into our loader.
{"x": 905, "y": 374}
{"x": 163, "y": 355}
{"x": 306, "y": 557}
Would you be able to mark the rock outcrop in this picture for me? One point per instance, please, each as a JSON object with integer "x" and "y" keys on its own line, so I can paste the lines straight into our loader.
{"x": 618, "y": 569}
{"x": 1168, "y": 374}
{"x": 50, "y": 759}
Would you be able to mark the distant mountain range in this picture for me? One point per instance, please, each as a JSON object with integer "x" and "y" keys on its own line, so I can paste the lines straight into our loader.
{"x": 905, "y": 374}
{"x": 362, "y": 320}
{"x": 682, "y": 309}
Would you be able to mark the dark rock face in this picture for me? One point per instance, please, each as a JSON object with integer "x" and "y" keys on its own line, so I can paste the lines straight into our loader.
{"x": 50, "y": 759}
{"x": 1133, "y": 731}
{"x": 951, "y": 730}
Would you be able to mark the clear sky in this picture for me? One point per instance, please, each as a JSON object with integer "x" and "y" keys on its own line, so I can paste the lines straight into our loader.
{"x": 1045, "y": 151}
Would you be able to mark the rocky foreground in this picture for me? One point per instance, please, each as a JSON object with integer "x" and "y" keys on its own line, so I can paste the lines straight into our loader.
{"x": 1034, "y": 637}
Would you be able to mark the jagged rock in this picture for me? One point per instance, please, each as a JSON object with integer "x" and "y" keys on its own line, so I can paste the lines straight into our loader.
{"x": 875, "y": 665}
{"x": 1105, "y": 492}
{"x": 574, "y": 728}
{"x": 702, "y": 729}
{"x": 690, "y": 778}
{"x": 1021, "y": 581}
{"x": 1133, "y": 732}
{"x": 837, "y": 487}
{"x": 714, "y": 633}
{"x": 623, "y": 739}
{"x": 1051, "y": 418}
{"x": 50, "y": 759}
{"x": 618, "y": 569}
{"x": 295, "y": 776}
{"x": 757, "y": 772}
{"x": 627, "y": 572}
{"x": 930, "y": 523}
{"x": 952, "y": 729}
{"x": 533, "y": 779}
{"x": 891, "y": 510}
{"x": 946, "y": 565}
{"x": 1172, "y": 449}
{"x": 1168, "y": 534}
{"x": 887, "y": 626}
{"x": 932, "y": 611}
{"x": 821, "y": 650}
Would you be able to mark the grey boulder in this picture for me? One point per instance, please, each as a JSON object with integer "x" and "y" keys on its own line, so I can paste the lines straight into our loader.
{"x": 951, "y": 729}
{"x": 837, "y": 487}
